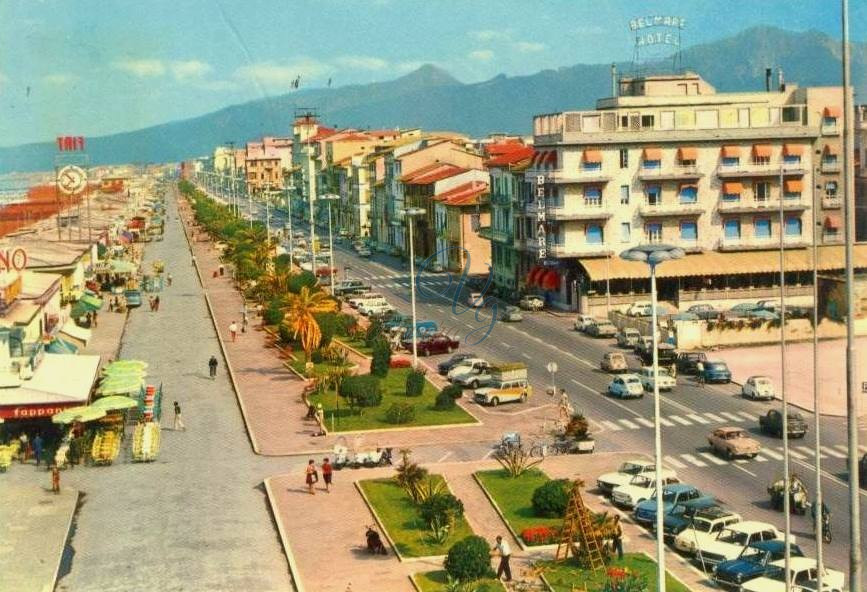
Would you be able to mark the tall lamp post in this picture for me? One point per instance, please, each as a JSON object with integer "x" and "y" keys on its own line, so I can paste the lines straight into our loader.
{"x": 653, "y": 255}
{"x": 409, "y": 214}
{"x": 330, "y": 198}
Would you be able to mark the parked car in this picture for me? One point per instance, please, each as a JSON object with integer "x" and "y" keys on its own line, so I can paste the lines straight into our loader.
{"x": 363, "y": 252}
{"x": 626, "y": 386}
{"x": 731, "y": 541}
{"x": 640, "y": 488}
{"x": 614, "y": 362}
{"x": 511, "y": 314}
{"x": 687, "y": 362}
{"x": 772, "y": 423}
{"x": 640, "y": 308}
{"x": 133, "y": 298}
{"x": 703, "y": 311}
{"x": 802, "y": 576}
{"x": 582, "y": 321}
{"x": 624, "y": 473}
{"x": 645, "y": 512}
{"x": 444, "y": 367}
{"x": 476, "y": 377}
{"x": 467, "y": 367}
{"x": 754, "y": 561}
{"x": 602, "y": 328}
{"x": 717, "y": 371}
{"x": 666, "y": 380}
{"x": 346, "y": 287}
{"x": 436, "y": 344}
{"x": 758, "y": 388}
{"x": 628, "y": 337}
{"x": 691, "y": 526}
{"x": 645, "y": 344}
{"x": 733, "y": 443}
{"x": 376, "y": 308}
{"x": 509, "y": 384}
{"x": 743, "y": 309}
{"x": 476, "y": 300}
{"x": 666, "y": 356}
{"x": 358, "y": 299}
{"x": 531, "y": 302}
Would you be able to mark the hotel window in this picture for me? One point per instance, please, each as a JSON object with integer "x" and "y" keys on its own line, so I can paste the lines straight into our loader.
{"x": 686, "y": 157}
{"x": 592, "y": 197}
{"x": 732, "y": 228}
{"x": 624, "y": 194}
{"x": 831, "y": 189}
{"x": 762, "y": 228}
{"x": 688, "y": 194}
{"x": 793, "y": 227}
{"x": 792, "y": 153}
{"x": 792, "y": 188}
{"x": 591, "y": 160}
{"x": 653, "y": 232}
{"x": 625, "y": 232}
{"x": 624, "y": 121}
{"x": 647, "y": 121}
{"x": 732, "y": 191}
{"x": 653, "y": 195}
{"x": 651, "y": 158}
{"x": 689, "y": 231}
{"x": 762, "y": 154}
{"x": 593, "y": 234}
{"x": 762, "y": 191}
{"x": 731, "y": 161}
{"x": 829, "y": 156}
{"x": 624, "y": 157}
{"x": 830, "y": 117}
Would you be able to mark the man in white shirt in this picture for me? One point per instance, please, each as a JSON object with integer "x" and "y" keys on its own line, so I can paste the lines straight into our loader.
{"x": 505, "y": 552}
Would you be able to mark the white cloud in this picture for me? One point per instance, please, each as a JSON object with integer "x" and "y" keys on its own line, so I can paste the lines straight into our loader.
{"x": 59, "y": 79}
{"x": 409, "y": 66}
{"x": 142, "y": 68}
{"x": 189, "y": 69}
{"x": 481, "y": 55}
{"x": 272, "y": 74}
{"x": 361, "y": 62}
{"x": 529, "y": 46}
{"x": 488, "y": 34}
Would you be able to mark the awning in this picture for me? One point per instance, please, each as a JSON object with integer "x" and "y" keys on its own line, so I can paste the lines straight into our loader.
{"x": 833, "y": 111}
{"x": 532, "y": 277}
{"x": 732, "y": 187}
{"x": 76, "y": 332}
{"x": 793, "y": 186}
{"x": 761, "y": 150}
{"x": 687, "y": 153}
{"x": 714, "y": 263}
{"x": 793, "y": 149}
{"x": 551, "y": 158}
{"x": 652, "y": 154}
{"x": 731, "y": 151}
{"x": 688, "y": 186}
{"x": 58, "y": 379}
{"x": 91, "y": 301}
{"x": 550, "y": 281}
{"x": 833, "y": 222}
{"x": 592, "y": 156}
{"x": 121, "y": 266}
{"x": 61, "y": 346}
{"x": 831, "y": 149}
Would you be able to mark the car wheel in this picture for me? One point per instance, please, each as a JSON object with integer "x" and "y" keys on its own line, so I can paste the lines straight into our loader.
{"x": 495, "y": 401}
{"x": 730, "y": 455}
{"x": 451, "y": 349}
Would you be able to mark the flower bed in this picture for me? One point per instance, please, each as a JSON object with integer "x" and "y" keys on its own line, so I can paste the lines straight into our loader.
{"x": 514, "y": 498}
{"x": 565, "y": 576}
{"x": 436, "y": 581}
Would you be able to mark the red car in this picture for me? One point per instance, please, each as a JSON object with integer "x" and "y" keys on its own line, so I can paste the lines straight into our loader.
{"x": 437, "y": 344}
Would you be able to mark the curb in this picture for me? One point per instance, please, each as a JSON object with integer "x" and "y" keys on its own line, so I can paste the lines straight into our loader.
{"x": 284, "y": 540}
{"x": 350, "y": 348}
{"x": 72, "y": 516}
{"x": 379, "y": 522}
{"x": 500, "y": 513}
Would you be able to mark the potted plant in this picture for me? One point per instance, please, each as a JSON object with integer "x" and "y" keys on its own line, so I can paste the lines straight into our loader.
{"x": 578, "y": 430}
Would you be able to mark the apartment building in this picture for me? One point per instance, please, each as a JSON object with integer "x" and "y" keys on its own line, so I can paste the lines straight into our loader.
{"x": 861, "y": 173}
{"x": 460, "y": 209}
{"x": 671, "y": 160}
{"x": 262, "y": 167}
{"x": 307, "y": 133}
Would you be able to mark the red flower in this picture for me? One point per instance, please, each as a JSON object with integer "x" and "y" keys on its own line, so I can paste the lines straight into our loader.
{"x": 399, "y": 363}
{"x": 538, "y": 535}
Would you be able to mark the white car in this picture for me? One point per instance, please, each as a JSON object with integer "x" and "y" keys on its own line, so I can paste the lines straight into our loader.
{"x": 640, "y": 488}
{"x": 360, "y": 299}
{"x": 803, "y": 572}
{"x": 758, "y": 388}
{"x": 466, "y": 367}
{"x": 704, "y": 526}
{"x": 376, "y": 309}
{"x": 626, "y": 386}
{"x": 731, "y": 540}
{"x": 624, "y": 474}
{"x": 371, "y": 304}
{"x": 582, "y": 321}
{"x": 363, "y": 252}
{"x": 666, "y": 382}
{"x": 476, "y": 300}
{"x": 640, "y": 308}
{"x": 530, "y": 302}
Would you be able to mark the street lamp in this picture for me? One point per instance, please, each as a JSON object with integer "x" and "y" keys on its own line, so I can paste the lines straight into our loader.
{"x": 409, "y": 214}
{"x": 330, "y": 198}
{"x": 653, "y": 255}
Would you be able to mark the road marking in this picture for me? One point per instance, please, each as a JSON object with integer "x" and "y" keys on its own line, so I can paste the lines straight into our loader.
{"x": 712, "y": 458}
{"x": 808, "y": 451}
{"x": 526, "y": 355}
{"x": 747, "y": 416}
{"x": 761, "y": 458}
{"x": 445, "y": 456}
{"x": 740, "y": 468}
{"x": 773, "y": 454}
{"x": 644, "y": 421}
{"x": 794, "y": 453}
{"x": 504, "y": 344}
{"x": 731, "y": 416}
{"x": 665, "y": 422}
{"x": 843, "y": 449}
{"x": 629, "y": 424}
{"x": 611, "y": 425}
{"x": 674, "y": 462}
{"x": 832, "y": 452}
{"x": 714, "y": 417}
{"x": 691, "y": 459}
{"x": 698, "y": 418}
{"x": 680, "y": 420}
{"x": 677, "y": 405}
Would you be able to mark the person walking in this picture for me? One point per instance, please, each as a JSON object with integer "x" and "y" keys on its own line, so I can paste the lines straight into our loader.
{"x": 169, "y": 280}
{"x": 327, "y": 471}
{"x": 503, "y": 549}
{"x": 617, "y": 537}
{"x": 212, "y": 367}
{"x": 89, "y": 319}
{"x": 699, "y": 371}
{"x": 310, "y": 476}
{"x": 179, "y": 422}
{"x": 157, "y": 304}
{"x": 55, "y": 478}
{"x": 320, "y": 420}
{"x": 93, "y": 319}
{"x": 233, "y": 330}
{"x": 38, "y": 447}
{"x": 23, "y": 444}
{"x": 244, "y": 323}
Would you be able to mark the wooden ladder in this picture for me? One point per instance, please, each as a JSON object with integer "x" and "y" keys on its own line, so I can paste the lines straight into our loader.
{"x": 578, "y": 521}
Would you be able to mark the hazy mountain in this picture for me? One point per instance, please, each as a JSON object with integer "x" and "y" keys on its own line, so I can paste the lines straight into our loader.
{"x": 432, "y": 99}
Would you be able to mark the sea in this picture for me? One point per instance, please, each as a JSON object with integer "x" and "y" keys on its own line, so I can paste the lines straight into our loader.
{"x": 14, "y": 186}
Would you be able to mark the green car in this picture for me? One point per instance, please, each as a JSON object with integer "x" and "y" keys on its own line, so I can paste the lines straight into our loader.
{"x": 133, "y": 298}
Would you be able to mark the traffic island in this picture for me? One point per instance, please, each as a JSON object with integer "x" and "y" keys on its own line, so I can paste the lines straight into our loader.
{"x": 437, "y": 581}
{"x": 568, "y": 575}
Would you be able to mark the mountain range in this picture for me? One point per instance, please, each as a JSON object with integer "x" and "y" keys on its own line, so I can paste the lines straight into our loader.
{"x": 431, "y": 98}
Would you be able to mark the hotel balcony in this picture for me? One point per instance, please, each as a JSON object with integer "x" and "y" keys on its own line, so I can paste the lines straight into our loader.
{"x": 832, "y": 238}
{"x": 676, "y": 173}
{"x": 496, "y": 235}
{"x": 587, "y": 209}
{"x": 565, "y": 251}
{"x": 830, "y": 167}
{"x": 753, "y": 243}
{"x": 832, "y": 203}
{"x": 563, "y": 176}
{"x": 670, "y": 209}
{"x": 756, "y": 206}
{"x": 759, "y": 170}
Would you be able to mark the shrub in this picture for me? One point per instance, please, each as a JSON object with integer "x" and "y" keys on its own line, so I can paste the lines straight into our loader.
{"x": 328, "y": 325}
{"x": 282, "y": 261}
{"x": 414, "y": 383}
{"x": 550, "y": 500}
{"x": 346, "y": 324}
{"x": 454, "y": 391}
{"x": 300, "y": 280}
{"x": 400, "y": 413}
{"x": 381, "y": 357}
{"x": 443, "y": 506}
{"x": 444, "y": 401}
{"x": 539, "y": 535}
{"x": 285, "y": 334}
{"x": 578, "y": 428}
{"x": 410, "y": 475}
{"x": 317, "y": 357}
{"x": 273, "y": 314}
{"x": 400, "y": 363}
{"x": 374, "y": 331}
{"x": 469, "y": 559}
{"x": 361, "y": 391}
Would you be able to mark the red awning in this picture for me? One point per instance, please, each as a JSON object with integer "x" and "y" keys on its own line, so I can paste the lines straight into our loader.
{"x": 550, "y": 281}
{"x": 731, "y": 151}
{"x": 833, "y": 222}
{"x": 652, "y": 154}
{"x": 732, "y": 188}
{"x": 687, "y": 153}
{"x": 793, "y": 149}
{"x": 592, "y": 156}
{"x": 793, "y": 186}
{"x": 831, "y": 149}
{"x": 532, "y": 277}
{"x": 834, "y": 111}
{"x": 761, "y": 150}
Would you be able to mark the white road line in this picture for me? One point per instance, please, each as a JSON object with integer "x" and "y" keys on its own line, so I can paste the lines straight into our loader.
{"x": 644, "y": 421}
{"x": 748, "y": 472}
{"x": 629, "y": 424}
{"x": 526, "y": 355}
{"x": 747, "y": 416}
{"x": 830, "y": 451}
{"x": 680, "y": 420}
{"x": 843, "y": 449}
{"x": 672, "y": 461}
{"x": 611, "y": 425}
{"x": 731, "y": 416}
{"x": 691, "y": 459}
{"x": 665, "y": 422}
{"x": 504, "y": 344}
{"x": 793, "y": 453}
{"x": 773, "y": 454}
{"x": 761, "y": 458}
{"x": 445, "y": 456}
{"x": 712, "y": 458}
{"x": 698, "y": 418}
{"x": 808, "y": 451}
{"x": 714, "y": 417}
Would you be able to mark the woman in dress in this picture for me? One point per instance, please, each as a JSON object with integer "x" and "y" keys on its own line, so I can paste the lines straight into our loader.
{"x": 310, "y": 476}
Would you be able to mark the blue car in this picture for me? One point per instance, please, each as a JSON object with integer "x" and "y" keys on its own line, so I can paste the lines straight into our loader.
{"x": 753, "y": 562}
{"x": 672, "y": 495}
{"x": 683, "y": 515}
{"x": 716, "y": 371}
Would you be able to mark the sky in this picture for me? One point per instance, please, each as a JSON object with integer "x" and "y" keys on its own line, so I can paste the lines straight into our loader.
{"x": 91, "y": 67}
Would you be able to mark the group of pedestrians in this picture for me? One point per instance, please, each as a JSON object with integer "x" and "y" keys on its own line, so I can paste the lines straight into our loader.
{"x": 155, "y": 303}
{"x": 311, "y": 475}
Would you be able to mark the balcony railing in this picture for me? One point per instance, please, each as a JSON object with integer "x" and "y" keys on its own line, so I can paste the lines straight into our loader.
{"x": 760, "y": 170}
{"x": 831, "y": 203}
{"x": 670, "y": 209}
{"x": 669, "y": 173}
{"x": 564, "y": 176}
{"x": 496, "y": 235}
{"x": 744, "y": 243}
{"x": 830, "y": 167}
{"x": 764, "y": 205}
{"x": 831, "y": 238}
{"x": 577, "y": 250}
{"x": 587, "y": 209}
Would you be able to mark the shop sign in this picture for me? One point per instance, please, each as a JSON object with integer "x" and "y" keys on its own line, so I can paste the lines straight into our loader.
{"x": 540, "y": 217}
{"x": 33, "y": 411}
{"x": 642, "y": 22}
{"x": 13, "y": 259}
{"x": 70, "y": 143}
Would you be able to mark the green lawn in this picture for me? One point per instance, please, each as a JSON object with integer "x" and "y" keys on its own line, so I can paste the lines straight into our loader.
{"x": 400, "y": 518}
{"x": 356, "y": 344}
{"x": 394, "y": 387}
{"x": 320, "y": 368}
{"x": 514, "y": 497}
{"x": 435, "y": 581}
{"x": 565, "y": 576}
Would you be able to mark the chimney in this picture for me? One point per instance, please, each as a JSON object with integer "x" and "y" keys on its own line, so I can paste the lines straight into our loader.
{"x": 614, "y": 80}
{"x": 780, "y": 79}
{"x": 767, "y": 80}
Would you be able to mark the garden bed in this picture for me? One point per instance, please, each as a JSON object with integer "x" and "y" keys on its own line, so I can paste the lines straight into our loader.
{"x": 400, "y": 518}
{"x": 435, "y": 581}
{"x": 514, "y": 496}
{"x": 565, "y": 576}
{"x": 393, "y": 391}
{"x": 358, "y": 345}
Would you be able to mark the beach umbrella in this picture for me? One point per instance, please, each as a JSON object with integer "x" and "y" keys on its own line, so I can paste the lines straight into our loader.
{"x": 127, "y": 363}
{"x": 83, "y": 414}
{"x": 120, "y": 387}
{"x": 114, "y": 403}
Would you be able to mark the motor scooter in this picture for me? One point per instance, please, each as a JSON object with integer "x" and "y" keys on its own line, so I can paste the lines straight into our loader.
{"x": 374, "y": 542}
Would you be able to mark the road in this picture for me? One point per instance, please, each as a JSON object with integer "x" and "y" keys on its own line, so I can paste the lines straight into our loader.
{"x": 688, "y": 414}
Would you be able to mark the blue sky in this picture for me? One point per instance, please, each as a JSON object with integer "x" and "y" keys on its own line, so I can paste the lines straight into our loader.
{"x": 94, "y": 67}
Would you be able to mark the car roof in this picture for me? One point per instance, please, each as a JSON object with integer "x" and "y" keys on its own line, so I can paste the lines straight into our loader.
{"x": 750, "y": 526}
{"x": 773, "y": 545}
{"x": 796, "y": 563}
{"x": 630, "y": 377}
{"x": 728, "y": 429}
{"x": 678, "y": 487}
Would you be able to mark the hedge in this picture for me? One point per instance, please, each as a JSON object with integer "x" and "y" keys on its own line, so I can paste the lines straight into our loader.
{"x": 361, "y": 391}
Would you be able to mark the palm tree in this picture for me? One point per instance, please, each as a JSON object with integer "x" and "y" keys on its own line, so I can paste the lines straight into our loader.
{"x": 275, "y": 284}
{"x": 300, "y": 317}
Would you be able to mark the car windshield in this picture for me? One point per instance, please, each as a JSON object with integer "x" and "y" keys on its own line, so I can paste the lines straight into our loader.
{"x": 630, "y": 468}
{"x": 762, "y": 382}
{"x": 668, "y": 496}
{"x": 633, "y": 380}
{"x": 716, "y": 366}
{"x": 733, "y": 536}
